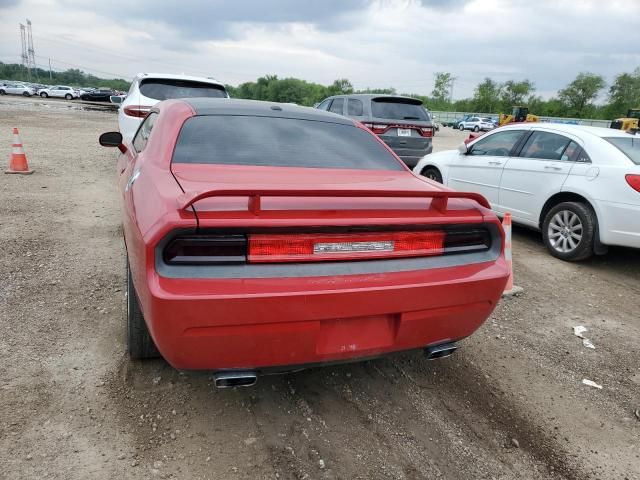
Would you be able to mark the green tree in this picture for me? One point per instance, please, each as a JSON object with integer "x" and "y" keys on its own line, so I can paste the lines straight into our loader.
{"x": 486, "y": 96}
{"x": 579, "y": 94}
{"x": 624, "y": 93}
{"x": 514, "y": 93}
{"x": 442, "y": 89}
{"x": 341, "y": 86}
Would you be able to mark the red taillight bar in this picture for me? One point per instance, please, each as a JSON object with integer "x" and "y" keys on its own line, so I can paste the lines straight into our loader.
{"x": 380, "y": 128}
{"x": 440, "y": 197}
{"x": 264, "y": 248}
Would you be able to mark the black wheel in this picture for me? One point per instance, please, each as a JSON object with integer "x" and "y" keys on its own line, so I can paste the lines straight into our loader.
{"x": 68, "y": 96}
{"x": 44, "y": 95}
{"x": 26, "y": 94}
{"x": 2, "y": 92}
{"x": 461, "y": 127}
{"x": 568, "y": 231}
{"x": 432, "y": 173}
{"x": 476, "y": 128}
{"x": 139, "y": 342}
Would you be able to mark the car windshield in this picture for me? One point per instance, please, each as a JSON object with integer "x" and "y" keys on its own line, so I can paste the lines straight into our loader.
{"x": 630, "y": 146}
{"x": 397, "y": 109}
{"x": 280, "y": 142}
{"x": 163, "y": 89}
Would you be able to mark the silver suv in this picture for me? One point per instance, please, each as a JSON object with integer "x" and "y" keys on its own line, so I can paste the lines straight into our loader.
{"x": 401, "y": 122}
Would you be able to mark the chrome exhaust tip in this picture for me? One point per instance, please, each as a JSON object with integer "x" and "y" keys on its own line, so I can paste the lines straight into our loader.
{"x": 235, "y": 379}
{"x": 440, "y": 351}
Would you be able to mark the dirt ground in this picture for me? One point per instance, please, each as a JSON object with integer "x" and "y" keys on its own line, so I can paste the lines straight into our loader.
{"x": 510, "y": 404}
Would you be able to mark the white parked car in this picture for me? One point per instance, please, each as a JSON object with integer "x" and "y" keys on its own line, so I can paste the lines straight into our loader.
{"x": 580, "y": 186}
{"x": 59, "y": 91}
{"x": 147, "y": 89}
{"x": 476, "y": 124}
{"x": 17, "y": 89}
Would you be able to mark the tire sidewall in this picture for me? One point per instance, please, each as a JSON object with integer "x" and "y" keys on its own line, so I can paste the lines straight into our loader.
{"x": 68, "y": 97}
{"x": 589, "y": 222}
{"x": 425, "y": 172}
{"x": 44, "y": 95}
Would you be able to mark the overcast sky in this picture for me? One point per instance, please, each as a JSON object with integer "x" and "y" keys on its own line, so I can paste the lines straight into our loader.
{"x": 373, "y": 43}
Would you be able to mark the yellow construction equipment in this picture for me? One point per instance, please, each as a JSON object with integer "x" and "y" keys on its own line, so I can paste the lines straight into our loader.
{"x": 630, "y": 123}
{"x": 519, "y": 114}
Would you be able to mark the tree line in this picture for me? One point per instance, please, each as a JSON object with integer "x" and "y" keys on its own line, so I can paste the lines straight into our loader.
{"x": 577, "y": 99}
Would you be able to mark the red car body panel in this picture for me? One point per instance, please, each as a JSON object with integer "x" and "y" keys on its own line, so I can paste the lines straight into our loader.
{"x": 217, "y": 324}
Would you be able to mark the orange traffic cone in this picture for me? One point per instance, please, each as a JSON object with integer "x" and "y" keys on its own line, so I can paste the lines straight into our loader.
{"x": 18, "y": 160}
{"x": 510, "y": 288}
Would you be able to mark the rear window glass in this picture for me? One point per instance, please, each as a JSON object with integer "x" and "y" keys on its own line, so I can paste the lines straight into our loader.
{"x": 280, "y": 142}
{"x": 396, "y": 110}
{"x": 163, "y": 89}
{"x": 630, "y": 146}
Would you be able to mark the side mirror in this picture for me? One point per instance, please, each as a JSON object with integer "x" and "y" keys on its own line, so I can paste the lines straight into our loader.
{"x": 112, "y": 139}
{"x": 463, "y": 148}
{"x": 117, "y": 99}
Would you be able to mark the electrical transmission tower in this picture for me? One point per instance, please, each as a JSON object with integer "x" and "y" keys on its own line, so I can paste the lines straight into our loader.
{"x": 31, "y": 54}
{"x": 25, "y": 57}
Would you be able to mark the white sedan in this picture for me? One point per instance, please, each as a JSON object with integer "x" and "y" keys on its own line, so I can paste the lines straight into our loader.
{"x": 476, "y": 124}
{"x": 17, "y": 89}
{"x": 580, "y": 186}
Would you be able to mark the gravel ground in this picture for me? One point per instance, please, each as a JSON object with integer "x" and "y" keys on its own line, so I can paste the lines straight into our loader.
{"x": 509, "y": 405}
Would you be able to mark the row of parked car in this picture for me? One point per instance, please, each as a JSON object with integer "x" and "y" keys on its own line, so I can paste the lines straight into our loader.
{"x": 473, "y": 122}
{"x": 57, "y": 91}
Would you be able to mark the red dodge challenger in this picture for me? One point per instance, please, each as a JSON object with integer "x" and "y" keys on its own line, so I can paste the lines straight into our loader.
{"x": 266, "y": 237}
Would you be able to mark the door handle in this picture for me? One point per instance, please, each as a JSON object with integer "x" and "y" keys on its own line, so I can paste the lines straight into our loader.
{"x": 495, "y": 163}
{"x": 552, "y": 167}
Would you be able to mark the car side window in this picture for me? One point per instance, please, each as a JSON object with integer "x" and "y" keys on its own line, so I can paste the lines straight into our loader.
{"x": 497, "y": 145}
{"x": 582, "y": 156}
{"x": 355, "y": 107}
{"x": 325, "y": 105}
{"x": 546, "y": 146}
{"x": 337, "y": 106}
{"x": 571, "y": 152}
{"x": 141, "y": 138}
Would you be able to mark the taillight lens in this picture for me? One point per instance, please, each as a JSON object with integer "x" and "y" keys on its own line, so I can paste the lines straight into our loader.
{"x": 378, "y": 128}
{"x": 321, "y": 247}
{"x": 211, "y": 250}
{"x": 139, "y": 111}
{"x": 426, "y": 131}
{"x": 633, "y": 181}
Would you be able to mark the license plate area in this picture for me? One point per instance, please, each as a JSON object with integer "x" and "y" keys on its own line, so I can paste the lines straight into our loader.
{"x": 404, "y": 132}
{"x": 346, "y": 335}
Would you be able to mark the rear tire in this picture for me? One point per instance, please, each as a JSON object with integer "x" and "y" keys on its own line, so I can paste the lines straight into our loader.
{"x": 432, "y": 173}
{"x": 476, "y": 128}
{"x": 44, "y": 95}
{"x": 461, "y": 127}
{"x": 2, "y": 92}
{"x": 68, "y": 96}
{"x": 569, "y": 230}
{"x": 139, "y": 342}
{"x": 26, "y": 94}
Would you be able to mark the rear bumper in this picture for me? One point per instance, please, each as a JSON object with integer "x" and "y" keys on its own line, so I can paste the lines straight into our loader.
{"x": 261, "y": 323}
{"x": 619, "y": 224}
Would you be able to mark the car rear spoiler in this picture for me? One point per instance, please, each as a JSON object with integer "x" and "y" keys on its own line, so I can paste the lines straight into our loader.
{"x": 440, "y": 198}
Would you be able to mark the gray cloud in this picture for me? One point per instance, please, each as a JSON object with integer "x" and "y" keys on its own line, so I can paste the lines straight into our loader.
{"x": 214, "y": 19}
{"x": 8, "y": 3}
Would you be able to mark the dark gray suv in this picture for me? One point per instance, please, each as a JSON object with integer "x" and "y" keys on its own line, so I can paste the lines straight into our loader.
{"x": 401, "y": 122}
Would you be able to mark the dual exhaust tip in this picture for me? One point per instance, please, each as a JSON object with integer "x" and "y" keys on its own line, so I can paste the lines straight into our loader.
{"x": 233, "y": 379}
